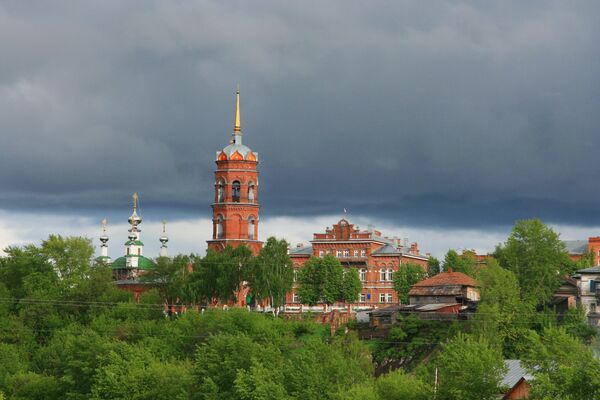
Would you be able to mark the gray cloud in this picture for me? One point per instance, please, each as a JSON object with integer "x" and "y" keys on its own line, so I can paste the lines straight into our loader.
{"x": 445, "y": 114}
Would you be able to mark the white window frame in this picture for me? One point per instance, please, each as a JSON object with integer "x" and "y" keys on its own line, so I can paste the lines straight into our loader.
{"x": 295, "y": 298}
{"x": 390, "y": 298}
{"x": 382, "y": 275}
{"x": 356, "y": 253}
{"x": 362, "y": 298}
{"x": 346, "y": 253}
{"x": 382, "y": 297}
{"x": 363, "y": 274}
{"x": 363, "y": 253}
{"x": 321, "y": 253}
{"x": 390, "y": 274}
{"x": 338, "y": 253}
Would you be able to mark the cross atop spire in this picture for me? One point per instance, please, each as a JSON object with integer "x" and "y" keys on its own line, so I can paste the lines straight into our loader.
{"x": 135, "y": 200}
{"x": 104, "y": 222}
{"x": 237, "y": 127}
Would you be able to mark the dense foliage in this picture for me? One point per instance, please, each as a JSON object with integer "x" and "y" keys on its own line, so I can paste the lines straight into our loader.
{"x": 326, "y": 280}
{"x": 66, "y": 331}
{"x": 407, "y": 275}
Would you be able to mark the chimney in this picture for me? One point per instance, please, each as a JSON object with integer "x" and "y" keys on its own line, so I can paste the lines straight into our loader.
{"x": 414, "y": 248}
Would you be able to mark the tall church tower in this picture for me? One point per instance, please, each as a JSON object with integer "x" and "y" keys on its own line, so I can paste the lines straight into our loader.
{"x": 235, "y": 206}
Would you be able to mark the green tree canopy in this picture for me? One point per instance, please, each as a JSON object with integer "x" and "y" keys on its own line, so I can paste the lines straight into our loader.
{"x": 538, "y": 258}
{"x": 326, "y": 280}
{"x": 465, "y": 262}
{"x": 271, "y": 274}
{"x": 469, "y": 368}
{"x": 407, "y": 275}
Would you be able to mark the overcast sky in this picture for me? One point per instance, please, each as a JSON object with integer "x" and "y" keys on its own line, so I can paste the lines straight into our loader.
{"x": 441, "y": 121}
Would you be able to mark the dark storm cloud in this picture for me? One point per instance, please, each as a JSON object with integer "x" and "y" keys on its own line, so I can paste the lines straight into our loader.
{"x": 446, "y": 114}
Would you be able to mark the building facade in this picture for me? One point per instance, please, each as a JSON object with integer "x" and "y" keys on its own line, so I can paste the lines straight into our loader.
{"x": 374, "y": 256}
{"x": 235, "y": 205}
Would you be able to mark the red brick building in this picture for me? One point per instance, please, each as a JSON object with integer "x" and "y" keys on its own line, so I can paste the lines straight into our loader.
{"x": 579, "y": 248}
{"x": 235, "y": 206}
{"x": 374, "y": 256}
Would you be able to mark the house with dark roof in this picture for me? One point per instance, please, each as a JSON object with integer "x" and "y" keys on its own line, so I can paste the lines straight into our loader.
{"x": 447, "y": 287}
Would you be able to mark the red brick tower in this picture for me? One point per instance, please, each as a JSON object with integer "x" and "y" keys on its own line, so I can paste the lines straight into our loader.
{"x": 235, "y": 207}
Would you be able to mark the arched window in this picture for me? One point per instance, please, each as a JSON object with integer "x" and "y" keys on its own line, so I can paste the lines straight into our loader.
{"x": 363, "y": 274}
{"x": 220, "y": 191}
{"x": 235, "y": 191}
{"x": 390, "y": 274}
{"x": 251, "y": 225}
{"x": 251, "y": 192}
{"x": 382, "y": 275}
{"x": 219, "y": 227}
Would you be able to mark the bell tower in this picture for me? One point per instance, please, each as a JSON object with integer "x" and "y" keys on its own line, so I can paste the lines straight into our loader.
{"x": 236, "y": 206}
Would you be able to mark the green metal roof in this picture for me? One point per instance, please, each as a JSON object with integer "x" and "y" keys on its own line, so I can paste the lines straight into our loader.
{"x": 134, "y": 242}
{"x": 143, "y": 262}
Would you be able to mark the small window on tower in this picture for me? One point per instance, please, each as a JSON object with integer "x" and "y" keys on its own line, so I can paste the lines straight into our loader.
{"x": 220, "y": 191}
{"x": 235, "y": 192}
{"x": 251, "y": 192}
{"x": 251, "y": 226}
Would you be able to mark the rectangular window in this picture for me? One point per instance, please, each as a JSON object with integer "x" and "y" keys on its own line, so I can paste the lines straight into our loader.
{"x": 390, "y": 298}
{"x": 356, "y": 253}
{"x": 592, "y": 307}
{"x": 338, "y": 253}
{"x": 296, "y": 298}
{"x": 382, "y": 275}
{"x": 382, "y": 297}
{"x": 593, "y": 286}
{"x": 321, "y": 253}
{"x": 363, "y": 274}
{"x": 346, "y": 253}
{"x": 363, "y": 298}
{"x": 363, "y": 253}
{"x": 390, "y": 275}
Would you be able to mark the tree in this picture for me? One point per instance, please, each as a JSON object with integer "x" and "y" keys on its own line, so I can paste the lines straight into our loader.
{"x": 465, "y": 263}
{"x": 563, "y": 367}
{"x": 170, "y": 277}
{"x": 399, "y": 385}
{"x": 322, "y": 280}
{"x": 407, "y": 275}
{"x": 271, "y": 275}
{"x": 502, "y": 318}
{"x": 469, "y": 368}
{"x": 70, "y": 256}
{"x": 538, "y": 258}
{"x": 433, "y": 266}
{"x": 218, "y": 275}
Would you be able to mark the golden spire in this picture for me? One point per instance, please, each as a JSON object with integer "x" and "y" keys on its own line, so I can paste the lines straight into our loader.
{"x": 238, "y": 125}
{"x": 135, "y": 198}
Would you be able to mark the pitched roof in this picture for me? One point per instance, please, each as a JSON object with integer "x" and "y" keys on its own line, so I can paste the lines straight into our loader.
{"x": 591, "y": 270}
{"x": 305, "y": 250}
{"x": 576, "y": 247}
{"x": 447, "y": 278}
{"x": 514, "y": 373}
{"x": 387, "y": 249}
